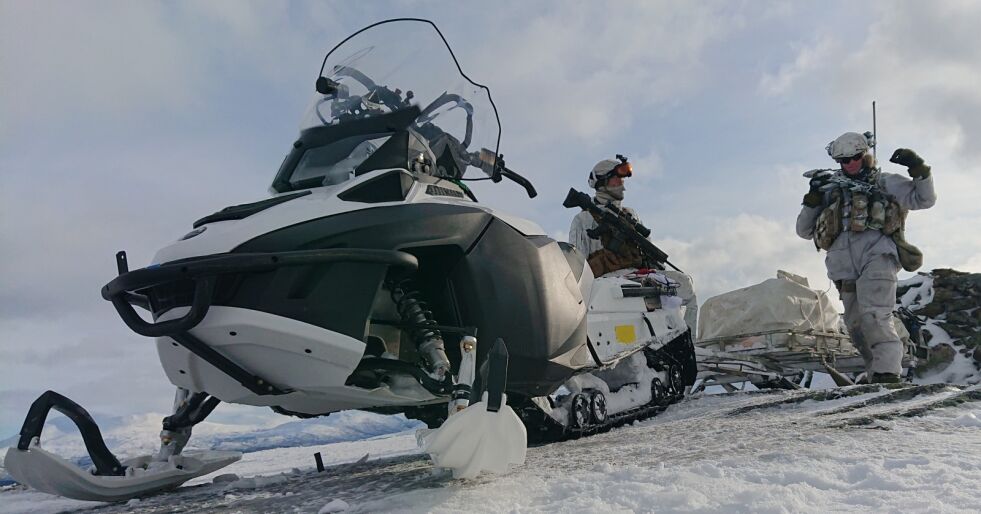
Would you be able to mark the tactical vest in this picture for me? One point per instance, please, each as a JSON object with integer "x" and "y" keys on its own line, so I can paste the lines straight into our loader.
{"x": 857, "y": 212}
{"x": 605, "y": 260}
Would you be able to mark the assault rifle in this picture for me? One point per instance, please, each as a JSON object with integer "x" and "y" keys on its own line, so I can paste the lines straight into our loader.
{"x": 837, "y": 179}
{"x": 621, "y": 228}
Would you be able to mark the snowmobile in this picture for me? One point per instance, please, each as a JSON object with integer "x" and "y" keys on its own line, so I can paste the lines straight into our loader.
{"x": 366, "y": 281}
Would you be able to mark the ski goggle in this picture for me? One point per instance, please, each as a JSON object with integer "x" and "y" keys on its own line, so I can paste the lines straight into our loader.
{"x": 623, "y": 170}
{"x": 846, "y": 160}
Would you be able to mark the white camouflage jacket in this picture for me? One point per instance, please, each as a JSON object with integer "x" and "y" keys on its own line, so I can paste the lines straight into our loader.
{"x": 851, "y": 251}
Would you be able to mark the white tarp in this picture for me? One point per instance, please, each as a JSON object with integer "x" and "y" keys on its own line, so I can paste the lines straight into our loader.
{"x": 782, "y": 303}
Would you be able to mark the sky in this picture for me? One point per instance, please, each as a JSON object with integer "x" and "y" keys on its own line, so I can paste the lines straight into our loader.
{"x": 123, "y": 122}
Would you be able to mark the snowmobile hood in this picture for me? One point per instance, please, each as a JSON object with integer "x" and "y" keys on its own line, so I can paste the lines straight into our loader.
{"x": 225, "y": 230}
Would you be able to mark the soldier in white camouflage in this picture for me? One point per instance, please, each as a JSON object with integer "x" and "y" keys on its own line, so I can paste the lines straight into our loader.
{"x": 857, "y": 214}
{"x": 607, "y": 178}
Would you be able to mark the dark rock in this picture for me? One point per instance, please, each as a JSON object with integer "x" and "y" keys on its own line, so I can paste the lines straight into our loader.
{"x": 972, "y": 341}
{"x": 942, "y": 294}
{"x": 932, "y": 310}
{"x": 969, "y": 283}
{"x": 959, "y": 318}
{"x": 940, "y": 357}
{"x": 961, "y": 304}
{"x": 955, "y": 331}
{"x": 927, "y": 336}
{"x": 977, "y": 354}
{"x": 944, "y": 274}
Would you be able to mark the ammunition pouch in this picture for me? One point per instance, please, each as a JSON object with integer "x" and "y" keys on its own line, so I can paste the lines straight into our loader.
{"x": 828, "y": 224}
{"x": 604, "y": 261}
{"x": 910, "y": 257}
{"x": 876, "y": 213}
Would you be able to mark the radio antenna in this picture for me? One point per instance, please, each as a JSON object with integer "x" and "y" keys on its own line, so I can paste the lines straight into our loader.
{"x": 875, "y": 134}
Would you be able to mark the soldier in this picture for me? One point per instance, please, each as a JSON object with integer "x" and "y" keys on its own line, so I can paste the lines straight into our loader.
{"x": 607, "y": 179}
{"x": 858, "y": 214}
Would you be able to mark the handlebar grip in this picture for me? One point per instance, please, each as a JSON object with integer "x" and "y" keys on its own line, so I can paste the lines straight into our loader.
{"x": 522, "y": 181}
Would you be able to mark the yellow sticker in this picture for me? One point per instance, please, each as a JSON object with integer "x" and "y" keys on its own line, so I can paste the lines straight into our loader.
{"x": 626, "y": 334}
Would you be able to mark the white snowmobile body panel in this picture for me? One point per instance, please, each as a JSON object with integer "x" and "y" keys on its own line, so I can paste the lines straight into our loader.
{"x": 619, "y": 326}
{"x": 224, "y": 236}
{"x": 311, "y": 361}
{"x": 52, "y": 474}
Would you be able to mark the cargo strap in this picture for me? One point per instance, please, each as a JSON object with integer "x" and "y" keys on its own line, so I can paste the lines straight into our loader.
{"x": 845, "y": 286}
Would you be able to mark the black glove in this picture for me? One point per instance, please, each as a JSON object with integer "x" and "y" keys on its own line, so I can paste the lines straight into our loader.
{"x": 818, "y": 181}
{"x": 914, "y": 163}
{"x": 815, "y": 197}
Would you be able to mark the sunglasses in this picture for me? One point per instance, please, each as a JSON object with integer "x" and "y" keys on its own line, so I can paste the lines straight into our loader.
{"x": 846, "y": 160}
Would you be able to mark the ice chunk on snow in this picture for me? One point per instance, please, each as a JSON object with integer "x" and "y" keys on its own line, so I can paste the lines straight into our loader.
{"x": 334, "y": 506}
{"x": 225, "y": 478}
{"x": 255, "y": 482}
{"x": 968, "y": 420}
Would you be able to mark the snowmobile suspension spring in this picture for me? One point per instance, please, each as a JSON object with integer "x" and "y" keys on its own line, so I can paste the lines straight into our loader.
{"x": 413, "y": 311}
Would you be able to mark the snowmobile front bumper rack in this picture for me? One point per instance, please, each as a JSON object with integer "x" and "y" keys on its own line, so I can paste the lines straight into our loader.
{"x": 105, "y": 462}
{"x": 204, "y": 271}
{"x": 122, "y": 290}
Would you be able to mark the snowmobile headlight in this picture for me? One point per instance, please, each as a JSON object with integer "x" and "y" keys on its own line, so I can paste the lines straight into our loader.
{"x": 194, "y": 233}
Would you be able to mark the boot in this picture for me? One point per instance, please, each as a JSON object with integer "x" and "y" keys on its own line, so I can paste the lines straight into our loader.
{"x": 884, "y": 378}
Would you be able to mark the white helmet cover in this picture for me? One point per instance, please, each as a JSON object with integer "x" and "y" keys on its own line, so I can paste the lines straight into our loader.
{"x": 600, "y": 171}
{"x": 847, "y": 145}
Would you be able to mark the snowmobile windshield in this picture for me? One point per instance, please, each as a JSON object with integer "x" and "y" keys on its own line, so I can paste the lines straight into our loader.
{"x": 399, "y": 64}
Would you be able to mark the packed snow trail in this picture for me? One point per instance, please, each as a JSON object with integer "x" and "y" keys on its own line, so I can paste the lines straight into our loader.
{"x": 908, "y": 448}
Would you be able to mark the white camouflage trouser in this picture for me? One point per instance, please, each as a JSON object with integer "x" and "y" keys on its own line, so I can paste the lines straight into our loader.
{"x": 869, "y": 302}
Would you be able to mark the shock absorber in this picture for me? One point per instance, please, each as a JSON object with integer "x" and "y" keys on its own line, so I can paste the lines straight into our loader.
{"x": 428, "y": 339}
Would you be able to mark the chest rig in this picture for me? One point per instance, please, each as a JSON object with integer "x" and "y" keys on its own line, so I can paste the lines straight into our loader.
{"x": 849, "y": 210}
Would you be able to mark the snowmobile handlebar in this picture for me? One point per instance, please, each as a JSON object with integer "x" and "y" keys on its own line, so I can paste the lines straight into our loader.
{"x": 205, "y": 270}
{"x": 523, "y": 182}
{"x": 493, "y": 166}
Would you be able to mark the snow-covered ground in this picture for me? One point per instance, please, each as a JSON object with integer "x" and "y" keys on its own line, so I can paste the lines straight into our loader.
{"x": 865, "y": 448}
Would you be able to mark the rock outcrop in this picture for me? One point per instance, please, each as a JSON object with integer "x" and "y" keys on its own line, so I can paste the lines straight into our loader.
{"x": 950, "y": 301}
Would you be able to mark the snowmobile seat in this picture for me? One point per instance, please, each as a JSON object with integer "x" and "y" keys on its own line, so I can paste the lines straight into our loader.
{"x": 576, "y": 260}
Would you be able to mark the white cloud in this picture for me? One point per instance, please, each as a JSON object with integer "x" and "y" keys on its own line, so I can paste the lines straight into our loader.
{"x": 742, "y": 250}
{"x": 580, "y": 75}
{"x": 807, "y": 60}
{"x": 79, "y": 57}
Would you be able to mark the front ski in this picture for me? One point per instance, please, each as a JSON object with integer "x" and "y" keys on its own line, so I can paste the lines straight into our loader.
{"x": 52, "y": 474}
{"x": 109, "y": 479}
{"x": 487, "y": 435}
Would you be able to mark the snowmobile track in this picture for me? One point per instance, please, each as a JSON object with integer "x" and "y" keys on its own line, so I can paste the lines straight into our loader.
{"x": 962, "y": 397}
{"x": 898, "y": 395}
{"x": 820, "y": 396}
{"x": 551, "y": 431}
